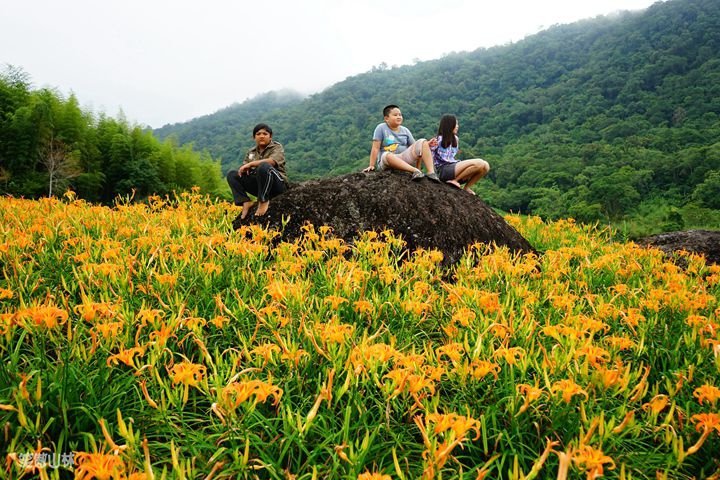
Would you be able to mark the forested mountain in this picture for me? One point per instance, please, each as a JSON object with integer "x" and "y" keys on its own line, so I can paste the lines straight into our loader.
{"x": 605, "y": 119}
{"x": 48, "y": 144}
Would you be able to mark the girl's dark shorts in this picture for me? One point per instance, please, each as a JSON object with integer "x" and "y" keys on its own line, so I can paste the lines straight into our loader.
{"x": 446, "y": 172}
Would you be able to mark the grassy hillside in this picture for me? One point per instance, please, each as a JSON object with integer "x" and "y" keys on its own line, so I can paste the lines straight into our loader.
{"x": 604, "y": 119}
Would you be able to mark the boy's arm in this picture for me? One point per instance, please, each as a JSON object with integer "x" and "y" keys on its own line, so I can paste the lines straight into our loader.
{"x": 411, "y": 139}
{"x": 373, "y": 155}
{"x": 275, "y": 158}
{"x": 245, "y": 161}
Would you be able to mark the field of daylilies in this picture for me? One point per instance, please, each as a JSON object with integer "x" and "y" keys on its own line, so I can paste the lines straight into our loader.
{"x": 151, "y": 341}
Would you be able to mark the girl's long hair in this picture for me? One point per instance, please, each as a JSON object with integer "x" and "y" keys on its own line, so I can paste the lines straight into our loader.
{"x": 446, "y": 130}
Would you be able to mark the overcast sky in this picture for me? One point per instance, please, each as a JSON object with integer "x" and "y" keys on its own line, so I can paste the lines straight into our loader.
{"x": 163, "y": 61}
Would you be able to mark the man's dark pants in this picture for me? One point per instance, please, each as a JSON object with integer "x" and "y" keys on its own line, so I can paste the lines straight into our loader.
{"x": 264, "y": 182}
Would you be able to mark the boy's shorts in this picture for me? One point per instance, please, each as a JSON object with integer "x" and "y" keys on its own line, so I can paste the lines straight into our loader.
{"x": 409, "y": 156}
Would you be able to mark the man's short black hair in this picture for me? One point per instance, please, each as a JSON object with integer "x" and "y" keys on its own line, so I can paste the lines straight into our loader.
{"x": 388, "y": 109}
{"x": 262, "y": 126}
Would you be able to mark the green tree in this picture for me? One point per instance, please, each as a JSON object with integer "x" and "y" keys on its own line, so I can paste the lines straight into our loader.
{"x": 707, "y": 194}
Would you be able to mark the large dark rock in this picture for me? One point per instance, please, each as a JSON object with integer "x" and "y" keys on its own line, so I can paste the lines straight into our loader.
{"x": 704, "y": 242}
{"x": 427, "y": 214}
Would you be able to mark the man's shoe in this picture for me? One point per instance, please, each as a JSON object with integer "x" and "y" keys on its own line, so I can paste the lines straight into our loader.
{"x": 417, "y": 176}
{"x": 433, "y": 176}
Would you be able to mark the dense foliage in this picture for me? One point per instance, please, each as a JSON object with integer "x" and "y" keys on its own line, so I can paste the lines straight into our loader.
{"x": 49, "y": 144}
{"x": 604, "y": 119}
{"x": 150, "y": 341}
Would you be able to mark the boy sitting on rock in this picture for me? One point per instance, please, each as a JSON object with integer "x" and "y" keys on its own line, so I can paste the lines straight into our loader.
{"x": 394, "y": 147}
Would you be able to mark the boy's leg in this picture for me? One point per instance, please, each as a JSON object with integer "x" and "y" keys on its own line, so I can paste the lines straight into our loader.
{"x": 240, "y": 187}
{"x": 403, "y": 162}
{"x": 396, "y": 162}
{"x": 420, "y": 152}
{"x": 246, "y": 206}
{"x": 269, "y": 184}
{"x": 426, "y": 155}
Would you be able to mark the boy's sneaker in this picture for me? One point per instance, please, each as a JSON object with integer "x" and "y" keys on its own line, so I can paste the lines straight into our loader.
{"x": 417, "y": 176}
{"x": 433, "y": 176}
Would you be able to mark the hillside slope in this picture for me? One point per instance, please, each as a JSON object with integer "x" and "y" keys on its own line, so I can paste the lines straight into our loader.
{"x": 589, "y": 119}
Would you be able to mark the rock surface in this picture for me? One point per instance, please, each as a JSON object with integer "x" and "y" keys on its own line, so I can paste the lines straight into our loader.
{"x": 705, "y": 242}
{"x": 426, "y": 214}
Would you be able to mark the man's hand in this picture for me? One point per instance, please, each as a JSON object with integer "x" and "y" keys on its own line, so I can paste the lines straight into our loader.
{"x": 244, "y": 168}
{"x": 369, "y": 169}
{"x": 433, "y": 142}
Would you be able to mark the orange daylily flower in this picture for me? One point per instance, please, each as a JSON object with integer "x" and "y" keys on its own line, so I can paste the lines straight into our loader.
{"x": 454, "y": 351}
{"x": 459, "y": 424}
{"x": 220, "y": 321}
{"x": 373, "y": 476}
{"x": 109, "y": 330}
{"x": 612, "y": 376}
{"x": 99, "y": 466}
{"x": 187, "y": 373}
{"x": 415, "y": 307}
{"x": 529, "y": 393}
{"x": 334, "y": 333}
{"x": 708, "y": 393}
{"x": 511, "y": 355}
{"x": 266, "y": 351}
{"x": 148, "y": 315}
{"x": 592, "y": 461}
{"x": 363, "y": 307}
{"x": 657, "y": 404}
{"x": 47, "y": 316}
{"x": 89, "y": 311}
{"x": 236, "y": 393}
{"x": 167, "y": 279}
{"x": 480, "y": 368}
{"x": 294, "y": 356}
{"x": 499, "y": 330}
{"x": 334, "y": 301}
{"x": 633, "y": 317}
{"x": 194, "y": 323}
{"x": 488, "y": 302}
{"x": 569, "y": 389}
{"x": 126, "y": 356}
{"x": 707, "y": 422}
{"x": 162, "y": 335}
{"x": 595, "y": 356}
{"x": 210, "y": 268}
{"x": 437, "y": 454}
{"x": 418, "y": 382}
{"x": 365, "y": 357}
{"x": 620, "y": 343}
{"x": 464, "y": 316}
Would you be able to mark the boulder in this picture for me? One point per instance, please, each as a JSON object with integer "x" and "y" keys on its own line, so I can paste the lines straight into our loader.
{"x": 704, "y": 242}
{"x": 426, "y": 214}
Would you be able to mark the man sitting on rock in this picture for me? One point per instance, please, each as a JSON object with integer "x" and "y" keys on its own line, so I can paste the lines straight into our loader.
{"x": 262, "y": 173}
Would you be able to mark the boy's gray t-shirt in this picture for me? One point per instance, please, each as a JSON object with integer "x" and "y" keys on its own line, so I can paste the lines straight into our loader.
{"x": 394, "y": 142}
